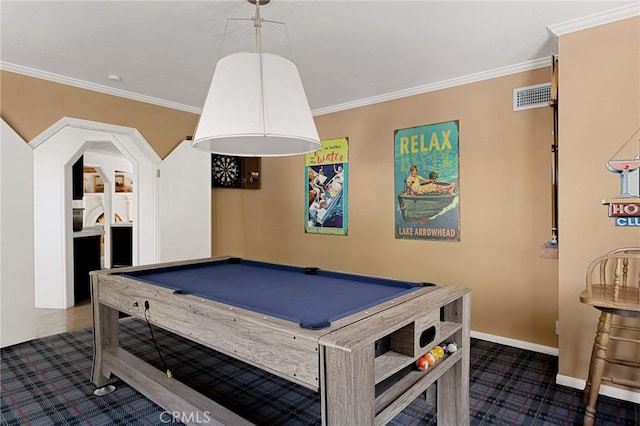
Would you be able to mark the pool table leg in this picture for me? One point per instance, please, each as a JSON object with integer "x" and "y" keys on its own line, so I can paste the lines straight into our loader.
{"x": 452, "y": 392}
{"x": 452, "y": 395}
{"x": 105, "y": 334}
{"x": 349, "y": 389}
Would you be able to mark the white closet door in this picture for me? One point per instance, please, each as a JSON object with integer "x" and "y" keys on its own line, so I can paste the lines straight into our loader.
{"x": 185, "y": 204}
{"x": 17, "y": 282}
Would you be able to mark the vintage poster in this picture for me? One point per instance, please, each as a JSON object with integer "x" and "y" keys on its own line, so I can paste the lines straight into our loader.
{"x": 326, "y": 200}
{"x": 427, "y": 182}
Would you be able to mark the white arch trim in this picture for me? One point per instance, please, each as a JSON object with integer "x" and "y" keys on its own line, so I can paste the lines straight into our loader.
{"x": 55, "y": 151}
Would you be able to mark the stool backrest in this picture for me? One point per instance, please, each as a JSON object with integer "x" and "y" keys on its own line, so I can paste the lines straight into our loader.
{"x": 613, "y": 280}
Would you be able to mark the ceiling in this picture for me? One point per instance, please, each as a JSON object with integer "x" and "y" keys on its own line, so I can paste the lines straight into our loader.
{"x": 349, "y": 52}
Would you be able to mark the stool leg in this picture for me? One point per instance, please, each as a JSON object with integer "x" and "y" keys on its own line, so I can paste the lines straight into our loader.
{"x": 597, "y": 366}
{"x": 587, "y": 387}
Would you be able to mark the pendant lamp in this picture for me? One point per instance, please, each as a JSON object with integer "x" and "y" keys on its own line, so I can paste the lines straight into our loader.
{"x": 256, "y": 106}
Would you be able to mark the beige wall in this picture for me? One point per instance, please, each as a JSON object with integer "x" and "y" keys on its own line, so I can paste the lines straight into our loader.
{"x": 504, "y": 185}
{"x": 505, "y": 177}
{"x": 505, "y": 202}
{"x": 30, "y": 106}
{"x": 599, "y": 110}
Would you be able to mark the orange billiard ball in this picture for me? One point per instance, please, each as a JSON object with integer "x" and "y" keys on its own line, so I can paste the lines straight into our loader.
{"x": 422, "y": 364}
{"x": 431, "y": 359}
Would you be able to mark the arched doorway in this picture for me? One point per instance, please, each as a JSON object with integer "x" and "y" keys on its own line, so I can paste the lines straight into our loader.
{"x": 55, "y": 151}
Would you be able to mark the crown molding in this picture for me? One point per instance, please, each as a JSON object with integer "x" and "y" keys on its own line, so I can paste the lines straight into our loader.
{"x": 445, "y": 84}
{"x": 595, "y": 20}
{"x": 486, "y": 75}
{"x": 57, "y": 78}
{"x": 555, "y": 30}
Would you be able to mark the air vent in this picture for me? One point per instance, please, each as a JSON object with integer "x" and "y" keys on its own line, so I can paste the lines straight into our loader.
{"x": 532, "y": 96}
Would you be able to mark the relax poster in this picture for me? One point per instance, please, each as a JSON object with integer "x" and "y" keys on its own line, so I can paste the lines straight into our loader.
{"x": 426, "y": 182}
{"x": 326, "y": 200}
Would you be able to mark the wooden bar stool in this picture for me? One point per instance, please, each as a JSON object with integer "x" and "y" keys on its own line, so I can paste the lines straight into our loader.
{"x": 613, "y": 287}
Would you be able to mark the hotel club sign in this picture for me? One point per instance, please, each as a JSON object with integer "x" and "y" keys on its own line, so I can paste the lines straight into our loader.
{"x": 625, "y": 212}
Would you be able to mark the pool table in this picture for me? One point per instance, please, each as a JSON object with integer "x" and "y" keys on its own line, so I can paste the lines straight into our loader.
{"x": 352, "y": 338}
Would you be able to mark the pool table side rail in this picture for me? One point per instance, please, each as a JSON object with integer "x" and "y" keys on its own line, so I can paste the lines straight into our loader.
{"x": 163, "y": 265}
{"x": 245, "y": 335}
{"x": 311, "y": 301}
{"x": 277, "y": 322}
{"x": 277, "y": 346}
{"x": 287, "y": 268}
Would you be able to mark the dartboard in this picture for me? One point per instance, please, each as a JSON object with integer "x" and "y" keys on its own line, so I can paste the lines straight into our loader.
{"x": 226, "y": 171}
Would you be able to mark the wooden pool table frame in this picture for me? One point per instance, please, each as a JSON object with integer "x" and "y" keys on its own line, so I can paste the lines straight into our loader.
{"x": 338, "y": 361}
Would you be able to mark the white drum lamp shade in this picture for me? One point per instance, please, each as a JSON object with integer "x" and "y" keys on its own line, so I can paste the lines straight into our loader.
{"x": 256, "y": 107}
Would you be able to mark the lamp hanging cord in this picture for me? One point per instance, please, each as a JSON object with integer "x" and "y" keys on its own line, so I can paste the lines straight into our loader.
{"x": 257, "y": 23}
{"x": 166, "y": 368}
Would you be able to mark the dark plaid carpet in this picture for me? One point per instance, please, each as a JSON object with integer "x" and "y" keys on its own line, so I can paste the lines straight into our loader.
{"x": 46, "y": 381}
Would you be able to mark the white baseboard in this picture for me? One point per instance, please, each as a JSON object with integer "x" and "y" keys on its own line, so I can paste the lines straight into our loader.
{"x": 572, "y": 382}
{"x": 605, "y": 390}
{"x": 515, "y": 343}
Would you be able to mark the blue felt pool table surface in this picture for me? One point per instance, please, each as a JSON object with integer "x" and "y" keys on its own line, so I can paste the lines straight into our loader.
{"x": 310, "y": 297}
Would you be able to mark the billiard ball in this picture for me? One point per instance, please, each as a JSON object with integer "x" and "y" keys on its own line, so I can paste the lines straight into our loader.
{"x": 431, "y": 359}
{"x": 434, "y": 354}
{"x": 422, "y": 363}
{"x": 443, "y": 345}
{"x": 438, "y": 351}
{"x": 452, "y": 347}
